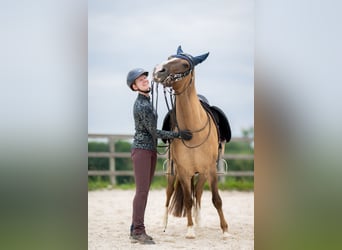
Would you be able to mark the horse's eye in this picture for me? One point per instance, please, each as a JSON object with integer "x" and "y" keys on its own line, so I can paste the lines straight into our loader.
{"x": 185, "y": 65}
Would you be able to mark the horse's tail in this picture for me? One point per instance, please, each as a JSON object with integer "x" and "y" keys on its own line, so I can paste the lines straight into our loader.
{"x": 177, "y": 205}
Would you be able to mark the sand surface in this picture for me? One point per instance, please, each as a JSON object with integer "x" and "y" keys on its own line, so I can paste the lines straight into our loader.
{"x": 109, "y": 219}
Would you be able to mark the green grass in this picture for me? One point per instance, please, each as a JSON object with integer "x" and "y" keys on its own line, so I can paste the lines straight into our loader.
{"x": 99, "y": 184}
{"x": 159, "y": 182}
{"x": 241, "y": 185}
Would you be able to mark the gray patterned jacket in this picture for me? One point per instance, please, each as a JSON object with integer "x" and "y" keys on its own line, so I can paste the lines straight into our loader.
{"x": 146, "y": 132}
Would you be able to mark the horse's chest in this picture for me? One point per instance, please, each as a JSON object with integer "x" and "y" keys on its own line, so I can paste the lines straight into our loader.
{"x": 194, "y": 157}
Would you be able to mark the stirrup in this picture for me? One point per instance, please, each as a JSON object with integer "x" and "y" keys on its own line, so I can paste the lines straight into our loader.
{"x": 225, "y": 167}
{"x": 165, "y": 164}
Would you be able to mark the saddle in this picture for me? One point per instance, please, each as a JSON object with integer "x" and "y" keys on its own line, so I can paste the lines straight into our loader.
{"x": 220, "y": 120}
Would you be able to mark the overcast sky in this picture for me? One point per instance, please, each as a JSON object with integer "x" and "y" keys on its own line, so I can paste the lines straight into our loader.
{"x": 127, "y": 34}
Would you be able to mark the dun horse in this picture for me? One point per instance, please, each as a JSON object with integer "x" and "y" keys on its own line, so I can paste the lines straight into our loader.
{"x": 193, "y": 162}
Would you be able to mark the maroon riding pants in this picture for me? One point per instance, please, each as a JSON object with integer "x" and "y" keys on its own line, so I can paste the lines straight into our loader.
{"x": 144, "y": 164}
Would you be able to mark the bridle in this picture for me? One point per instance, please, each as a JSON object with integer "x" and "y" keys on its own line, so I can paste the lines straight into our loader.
{"x": 175, "y": 77}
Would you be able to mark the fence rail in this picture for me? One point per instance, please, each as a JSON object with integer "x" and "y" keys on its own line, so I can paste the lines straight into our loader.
{"x": 112, "y": 172}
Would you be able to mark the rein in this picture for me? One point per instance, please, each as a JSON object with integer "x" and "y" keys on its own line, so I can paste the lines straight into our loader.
{"x": 196, "y": 131}
{"x": 154, "y": 95}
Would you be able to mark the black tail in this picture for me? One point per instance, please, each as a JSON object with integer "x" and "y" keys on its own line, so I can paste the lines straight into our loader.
{"x": 177, "y": 205}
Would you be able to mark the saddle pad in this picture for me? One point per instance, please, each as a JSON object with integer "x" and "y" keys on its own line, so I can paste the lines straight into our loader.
{"x": 223, "y": 123}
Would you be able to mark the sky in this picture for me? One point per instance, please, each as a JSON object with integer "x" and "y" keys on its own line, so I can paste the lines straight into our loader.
{"x": 123, "y": 35}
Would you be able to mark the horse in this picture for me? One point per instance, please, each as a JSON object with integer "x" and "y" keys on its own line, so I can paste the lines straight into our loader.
{"x": 193, "y": 162}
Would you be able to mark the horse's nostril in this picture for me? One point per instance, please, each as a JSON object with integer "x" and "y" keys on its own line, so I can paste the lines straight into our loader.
{"x": 159, "y": 69}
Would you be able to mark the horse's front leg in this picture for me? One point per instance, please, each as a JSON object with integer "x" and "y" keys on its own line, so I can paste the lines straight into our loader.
{"x": 169, "y": 191}
{"x": 190, "y": 234}
{"x": 198, "y": 196}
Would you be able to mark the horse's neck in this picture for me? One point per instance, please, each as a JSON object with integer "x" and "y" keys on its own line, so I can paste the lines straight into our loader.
{"x": 189, "y": 111}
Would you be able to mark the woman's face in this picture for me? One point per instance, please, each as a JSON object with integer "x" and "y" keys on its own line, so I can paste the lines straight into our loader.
{"x": 141, "y": 83}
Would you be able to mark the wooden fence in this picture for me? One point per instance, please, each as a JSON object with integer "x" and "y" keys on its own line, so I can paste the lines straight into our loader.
{"x": 112, "y": 172}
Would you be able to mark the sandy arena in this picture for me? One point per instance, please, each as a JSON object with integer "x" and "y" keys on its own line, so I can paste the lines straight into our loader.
{"x": 109, "y": 219}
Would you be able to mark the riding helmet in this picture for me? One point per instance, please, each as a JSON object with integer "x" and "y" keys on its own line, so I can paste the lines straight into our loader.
{"x": 134, "y": 74}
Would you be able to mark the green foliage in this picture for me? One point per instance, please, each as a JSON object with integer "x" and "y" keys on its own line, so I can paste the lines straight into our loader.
{"x": 123, "y": 163}
{"x": 123, "y": 146}
{"x": 97, "y": 183}
{"x": 239, "y": 164}
{"x": 241, "y": 184}
{"x": 98, "y": 163}
{"x": 236, "y": 147}
{"x": 98, "y": 147}
{"x": 102, "y": 163}
{"x": 248, "y": 132}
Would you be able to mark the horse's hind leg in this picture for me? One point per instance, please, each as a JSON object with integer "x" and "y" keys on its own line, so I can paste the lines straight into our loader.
{"x": 216, "y": 199}
{"x": 169, "y": 191}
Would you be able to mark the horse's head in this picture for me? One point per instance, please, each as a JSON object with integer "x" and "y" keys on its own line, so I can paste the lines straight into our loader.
{"x": 176, "y": 67}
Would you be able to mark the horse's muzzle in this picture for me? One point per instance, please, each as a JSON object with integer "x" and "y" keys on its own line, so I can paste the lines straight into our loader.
{"x": 160, "y": 74}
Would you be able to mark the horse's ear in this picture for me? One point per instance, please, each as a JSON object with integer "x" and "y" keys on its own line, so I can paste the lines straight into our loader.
{"x": 199, "y": 59}
{"x": 179, "y": 50}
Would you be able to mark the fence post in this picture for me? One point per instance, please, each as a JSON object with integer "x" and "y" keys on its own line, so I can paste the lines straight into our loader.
{"x": 112, "y": 160}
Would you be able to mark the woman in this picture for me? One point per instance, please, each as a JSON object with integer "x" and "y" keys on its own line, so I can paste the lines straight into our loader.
{"x": 144, "y": 153}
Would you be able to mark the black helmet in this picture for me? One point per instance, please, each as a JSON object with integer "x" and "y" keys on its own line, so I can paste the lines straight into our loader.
{"x": 134, "y": 74}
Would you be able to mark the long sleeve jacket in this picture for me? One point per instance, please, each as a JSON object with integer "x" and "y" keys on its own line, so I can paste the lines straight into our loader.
{"x": 146, "y": 132}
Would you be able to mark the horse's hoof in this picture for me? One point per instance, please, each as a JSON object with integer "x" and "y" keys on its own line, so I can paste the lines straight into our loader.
{"x": 227, "y": 235}
{"x": 190, "y": 237}
{"x": 190, "y": 233}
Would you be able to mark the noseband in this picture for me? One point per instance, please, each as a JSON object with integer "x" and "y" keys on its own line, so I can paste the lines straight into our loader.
{"x": 175, "y": 77}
